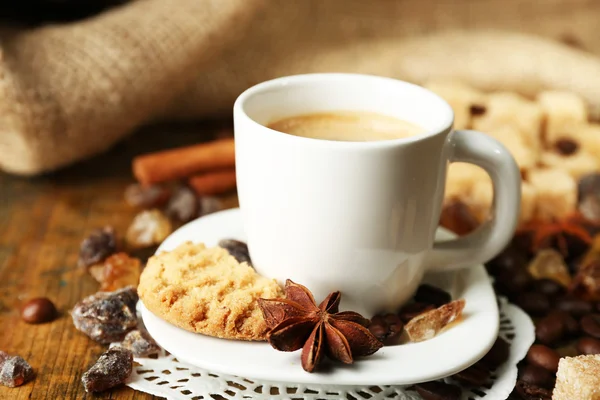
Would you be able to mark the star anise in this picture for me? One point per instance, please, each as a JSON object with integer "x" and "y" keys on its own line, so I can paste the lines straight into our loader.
{"x": 296, "y": 322}
{"x": 569, "y": 235}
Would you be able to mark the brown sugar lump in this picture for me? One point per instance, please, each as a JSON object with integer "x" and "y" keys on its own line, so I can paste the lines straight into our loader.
{"x": 577, "y": 164}
{"x": 521, "y": 151}
{"x": 578, "y": 378}
{"x": 464, "y": 100}
{"x": 564, "y": 112}
{"x": 461, "y": 178}
{"x": 510, "y": 109}
{"x": 556, "y": 193}
{"x": 206, "y": 290}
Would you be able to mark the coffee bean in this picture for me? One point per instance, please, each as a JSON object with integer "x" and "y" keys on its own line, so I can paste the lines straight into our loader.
{"x": 475, "y": 375}
{"x": 537, "y": 376}
{"x": 38, "y": 310}
{"x": 588, "y": 345}
{"x": 528, "y": 391}
{"x": 570, "y": 324}
{"x": 575, "y": 307}
{"x": 438, "y": 391}
{"x": 566, "y": 146}
{"x": 549, "y": 287}
{"x": 411, "y": 310}
{"x": 432, "y": 295}
{"x": 513, "y": 282}
{"x": 590, "y": 324}
{"x": 543, "y": 356}
{"x": 497, "y": 355}
{"x": 509, "y": 260}
{"x": 533, "y": 303}
{"x": 550, "y": 329}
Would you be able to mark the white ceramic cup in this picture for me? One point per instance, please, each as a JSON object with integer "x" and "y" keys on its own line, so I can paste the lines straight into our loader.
{"x": 360, "y": 217}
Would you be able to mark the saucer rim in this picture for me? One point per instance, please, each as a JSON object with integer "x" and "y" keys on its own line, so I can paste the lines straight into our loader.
{"x": 154, "y": 324}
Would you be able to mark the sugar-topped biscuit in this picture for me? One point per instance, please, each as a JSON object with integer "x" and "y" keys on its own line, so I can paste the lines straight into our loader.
{"x": 578, "y": 378}
{"x": 205, "y": 290}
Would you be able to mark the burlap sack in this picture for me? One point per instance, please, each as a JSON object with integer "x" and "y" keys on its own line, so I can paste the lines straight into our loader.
{"x": 70, "y": 91}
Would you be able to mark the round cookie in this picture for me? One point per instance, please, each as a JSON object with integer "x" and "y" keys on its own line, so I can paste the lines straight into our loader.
{"x": 205, "y": 290}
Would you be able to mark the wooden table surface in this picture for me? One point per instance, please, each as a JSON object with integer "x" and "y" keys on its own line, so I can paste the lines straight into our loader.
{"x": 42, "y": 222}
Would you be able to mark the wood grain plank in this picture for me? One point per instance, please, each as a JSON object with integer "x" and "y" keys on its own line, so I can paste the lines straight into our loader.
{"x": 42, "y": 222}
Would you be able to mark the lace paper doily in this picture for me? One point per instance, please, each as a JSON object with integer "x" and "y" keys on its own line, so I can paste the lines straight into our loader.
{"x": 166, "y": 377}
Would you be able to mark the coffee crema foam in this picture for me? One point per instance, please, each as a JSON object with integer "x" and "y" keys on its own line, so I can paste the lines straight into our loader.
{"x": 349, "y": 126}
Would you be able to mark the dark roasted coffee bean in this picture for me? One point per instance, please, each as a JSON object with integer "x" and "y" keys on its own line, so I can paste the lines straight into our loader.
{"x": 528, "y": 391}
{"x": 516, "y": 282}
{"x": 570, "y": 324}
{"x": 477, "y": 109}
{"x": 432, "y": 295}
{"x": 238, "y": 249}
{"x": 509, "y": 260}
{"x": 550, "y": 329}
{"x": 588, "y": 345}
{"x": 411, "y": 310}
{"x": 549, "y": 287}
{"x": 438, "y": 391}
{"x": 475, "y": 375}
{"x": 544, "y": 357}
{"x": 533, "y": 303}
{"x": 537, "y": 376}
{"x": 575, "y": 307}
{"x": 497, "y": 355}
{"x": 590, "y": 324}
{"x": 566, "y": 146}
{"x": 386, "y": 327}
{"x": 38, "y": 310}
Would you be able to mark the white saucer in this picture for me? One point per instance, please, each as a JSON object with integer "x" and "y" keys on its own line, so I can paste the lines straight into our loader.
{"x": 450, "y": 352}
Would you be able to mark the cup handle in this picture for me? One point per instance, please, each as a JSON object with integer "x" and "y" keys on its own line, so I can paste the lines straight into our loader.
{"x": 494, "y": 234}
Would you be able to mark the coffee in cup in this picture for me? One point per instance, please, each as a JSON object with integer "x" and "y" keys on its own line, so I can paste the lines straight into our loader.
{"x": 351, "y": 126}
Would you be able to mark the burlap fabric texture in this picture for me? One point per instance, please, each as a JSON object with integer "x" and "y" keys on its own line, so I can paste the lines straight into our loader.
{"x": 70, "y": 91}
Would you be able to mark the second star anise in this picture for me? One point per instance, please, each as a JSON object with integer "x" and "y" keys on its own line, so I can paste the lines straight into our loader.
{"x": 296, "y": 322}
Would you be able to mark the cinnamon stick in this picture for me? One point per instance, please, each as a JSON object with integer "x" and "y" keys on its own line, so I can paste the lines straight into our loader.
{"x": 213, "y": 183}
{"x": 184, "y": 161}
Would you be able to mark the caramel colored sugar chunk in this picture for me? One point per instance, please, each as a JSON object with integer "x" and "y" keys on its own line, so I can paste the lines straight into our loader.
{"x": 505, "y": 109}
{"x": 461, "y": 179}
{"x": 461, "y": 98}
{"x": 556, "y": 193}
{"x": 578, "y": 378}
{"x": 516, "y": 144}
{"x": 564, "y": 111}
{"x": 589, "y": 138}
{"x": 206, "y": 290}
{"x": 429, "y": 324}
{"x": 578, "y": 164}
